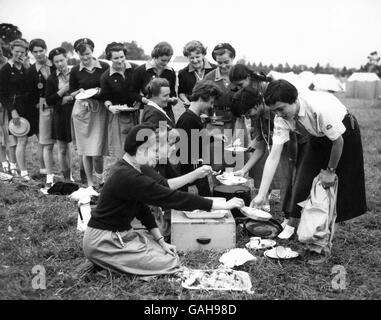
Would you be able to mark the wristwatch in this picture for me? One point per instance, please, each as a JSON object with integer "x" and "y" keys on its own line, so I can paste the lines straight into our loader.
{"x": 332, "y": 170}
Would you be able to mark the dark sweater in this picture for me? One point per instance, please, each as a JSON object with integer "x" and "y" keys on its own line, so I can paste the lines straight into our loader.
{"x": 127, "y": 194}
{"x": 36, "y": 84}
{"x": 154, "y": 116}
{"x": 117, "y": 89}
{"x": 13, "y": 89}
{"x": 142, "y": 77}
{"x": 86, "y": 80}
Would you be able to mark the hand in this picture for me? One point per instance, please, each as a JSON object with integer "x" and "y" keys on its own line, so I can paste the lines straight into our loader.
{"x": 235, "y": 203}
{"x": 258, "y": 201}
{"x": 186, "y": 104}
{"x": 67, "y": 99}
{"x": 240, "y": 173}
{"x": 16, "y": 118}
{"x": 169, "y": 248}
{"x": 327, "y": 178}
{"x": 202, "y": 172}
{"x": 114, "y": 109}
{"x": 172, "y": 101}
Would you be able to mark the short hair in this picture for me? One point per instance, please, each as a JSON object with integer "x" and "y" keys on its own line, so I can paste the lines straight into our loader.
{"x": 162, "y": 49}
{"x": 239, "y": 72}
{"x": 37, "y": 43}
{"x": 154, "y": 86}
{"x": 205, "y": 90}
{"x": 131, "y": 144}
{"x": 223, "y": 48}
{"x": 194, "y": 45}
{"x": 57, "y": 52}
{"x": 19, "y": 43}
{"x": 82, "y": 44}
{"x": 244, "y": 100}
{"x": 114, "y": 47}
{"x": 280, "y": 91}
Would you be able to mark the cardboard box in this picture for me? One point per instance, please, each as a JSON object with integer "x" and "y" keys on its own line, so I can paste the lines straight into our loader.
{"x": 202, "y": 234}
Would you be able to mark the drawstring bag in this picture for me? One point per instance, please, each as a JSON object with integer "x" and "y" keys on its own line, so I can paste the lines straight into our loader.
{"x": 317, "y": 223}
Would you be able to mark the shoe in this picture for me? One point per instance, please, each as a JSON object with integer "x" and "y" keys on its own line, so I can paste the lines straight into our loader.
{"x": 287, "y": 232}
{"x": 26, "y": 178}
{"x": 14, "y": 172}
{"x": 284, "y": 223}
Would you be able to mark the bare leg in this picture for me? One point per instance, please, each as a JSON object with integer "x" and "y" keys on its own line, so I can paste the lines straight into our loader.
{"x": 88, "y": 165}
{"x": 98, "y": 168}
{"x": 63, "y": 155}
{"x": 48, "y": 157}
{"x": 20, "y": 152}
{"x": 40, "y": 156}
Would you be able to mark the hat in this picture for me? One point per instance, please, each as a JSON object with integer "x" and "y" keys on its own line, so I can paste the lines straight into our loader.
{"x": 132, "y": 143}
{"x": 245, "y": 99}
{"x": 220, "y": 46}
{"x": 83, "y": 41}
{"x": 21, "y": 130}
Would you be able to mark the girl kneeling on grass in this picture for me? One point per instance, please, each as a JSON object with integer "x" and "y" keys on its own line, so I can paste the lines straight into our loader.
{"x": 334, "y": 146}
{"x": 109, "y": 240}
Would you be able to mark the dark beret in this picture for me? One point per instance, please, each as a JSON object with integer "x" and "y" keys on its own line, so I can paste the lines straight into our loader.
{"x": 223, "y": 46}
{"x": 131, "y": 143}
{"x": 83, "y": 41}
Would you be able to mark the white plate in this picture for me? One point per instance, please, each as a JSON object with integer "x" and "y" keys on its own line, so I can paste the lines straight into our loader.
{"x": 86, "y": 94}
{"x": 235, "y": 149}
{"x": 256, "y": 214}
{"x": 230, "y": 179}
{"x": 124, "y": 108}
{"x": 200, "y": 214}
{"x": 287, "y": 253}
{"x": 265, "y": 244}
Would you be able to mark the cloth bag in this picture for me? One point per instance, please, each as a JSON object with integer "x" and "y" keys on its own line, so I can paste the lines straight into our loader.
{"x": 317, "y": 223}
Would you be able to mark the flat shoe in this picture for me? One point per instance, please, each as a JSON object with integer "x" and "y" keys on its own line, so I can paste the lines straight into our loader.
{"x": 287, "y": 232}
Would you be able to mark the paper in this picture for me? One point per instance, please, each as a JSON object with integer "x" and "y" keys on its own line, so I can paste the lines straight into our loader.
{"x": 236, "y": 257}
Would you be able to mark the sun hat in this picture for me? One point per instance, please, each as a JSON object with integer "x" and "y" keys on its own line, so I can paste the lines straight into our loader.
{"x": 21, "y": 130}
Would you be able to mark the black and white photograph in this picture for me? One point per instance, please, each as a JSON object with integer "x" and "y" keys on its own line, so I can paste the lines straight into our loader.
{"x": 194, "y": 155}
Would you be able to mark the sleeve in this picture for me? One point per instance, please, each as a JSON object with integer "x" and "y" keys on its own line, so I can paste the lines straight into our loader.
{"x": 281, "y": 131}
{"x": 4, "y": 90}
{"x": 105, "y": 87}
{"x": 331, "y": 125}
{"x": 182, "y": 82}
{"x": 150, "y": 115}
{"x": 151, "y": 172}
{"x": 51, "y": 95}
{"x": 146, "y": 217}
{"x": 137, "y": 84}
{"x": 73, "y": 81}
{"x": 150, "y": 192}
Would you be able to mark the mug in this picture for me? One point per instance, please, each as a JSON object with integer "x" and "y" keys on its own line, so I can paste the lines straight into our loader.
{"x": 255, "y": 242}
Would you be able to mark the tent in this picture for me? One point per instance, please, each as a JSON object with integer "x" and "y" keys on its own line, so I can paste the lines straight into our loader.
{"x": 327, "y": 82}
{"x": 363, "y": 85}
{"x": 291, "y": 77}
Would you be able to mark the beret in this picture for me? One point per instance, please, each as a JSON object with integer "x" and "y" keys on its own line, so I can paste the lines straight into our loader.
{"x": 132, "y": 143}
{"x": 223, "y": 46}
{"x": 83, "y": 41}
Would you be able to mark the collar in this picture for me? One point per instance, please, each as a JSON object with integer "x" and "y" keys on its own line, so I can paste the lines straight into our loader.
{"x": 127, "y": 65}
{"x": 218, "y": 76}
{"x": 58, "y": 73}
{"x": 302, "y": 108}
{"x": 11, "y": 63}
{"x": 97, "y": 65}
{"x": 207, "y": 65}
{"x": 150, "y": 65}
{"x": 48, "y": 64}
{"x": 156, "y": 106}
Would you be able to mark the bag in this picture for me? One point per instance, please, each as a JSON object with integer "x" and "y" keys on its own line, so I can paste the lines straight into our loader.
{"x": 84, "y": 215}
{"x": 63, "y": 188}
{"x": 317, "y": 223}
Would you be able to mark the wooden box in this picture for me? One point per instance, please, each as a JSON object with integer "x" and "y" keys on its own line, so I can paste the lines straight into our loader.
{"x": 202, "y": 234}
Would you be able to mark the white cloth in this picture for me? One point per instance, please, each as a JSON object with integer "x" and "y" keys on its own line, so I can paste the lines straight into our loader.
{"x": 321, "y": 114}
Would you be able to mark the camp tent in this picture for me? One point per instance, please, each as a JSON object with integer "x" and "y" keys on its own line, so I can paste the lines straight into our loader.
{"x": 291, "y": 77}
{"x": 363, "y": 85}
{"x": 327, "y": 82}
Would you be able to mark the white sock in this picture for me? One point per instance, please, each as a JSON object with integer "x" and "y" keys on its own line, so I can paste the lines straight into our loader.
{"x": 24, "y": 173}
{"x": 50, "y": 178}
{"x": 284, "y": 223}
{"x": 5, "y": 164}
{"x": 287, "y": 232}
{"x": 13, "y": 166}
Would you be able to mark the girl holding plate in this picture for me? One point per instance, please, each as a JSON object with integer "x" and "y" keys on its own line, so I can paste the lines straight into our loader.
{"x": 90, "y": 116}
{"x": 116, "y": 85}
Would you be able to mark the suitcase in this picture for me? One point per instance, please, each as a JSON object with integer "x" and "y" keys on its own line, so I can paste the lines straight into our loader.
{"x": 202, "y": 234}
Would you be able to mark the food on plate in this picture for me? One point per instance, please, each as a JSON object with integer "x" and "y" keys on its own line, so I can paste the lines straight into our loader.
{"x": 256, "y": 214}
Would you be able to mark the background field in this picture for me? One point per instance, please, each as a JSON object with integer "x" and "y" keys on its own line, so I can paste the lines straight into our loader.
{"x": 41, "y": 230}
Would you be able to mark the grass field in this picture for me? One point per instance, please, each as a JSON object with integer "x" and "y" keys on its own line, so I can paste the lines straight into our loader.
{"x": 41, "y": 230}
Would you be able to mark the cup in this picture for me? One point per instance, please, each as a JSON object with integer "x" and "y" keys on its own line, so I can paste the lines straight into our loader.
{"x": 255, "y": 242}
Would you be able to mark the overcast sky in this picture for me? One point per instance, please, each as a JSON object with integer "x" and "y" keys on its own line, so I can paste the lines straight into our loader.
{"x": 271, "y": 31}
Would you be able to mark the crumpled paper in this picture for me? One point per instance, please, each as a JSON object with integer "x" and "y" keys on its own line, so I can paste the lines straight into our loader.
{"x": 236, "y": 257}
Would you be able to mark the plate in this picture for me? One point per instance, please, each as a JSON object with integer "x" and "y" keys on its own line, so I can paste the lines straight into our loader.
{"x": 281, "y": 253}
{"x": 220, "y": 279}
{"x": 235, "y": 149}
{"x": 265, "y": 244}
{"x": 201, "y": 214}
{"x": 256, "y": 214}
{"x": 229, "y": 179}
{"x": 86, "y": 94}
{"x": 20, "y": 130}
{"x": 5, "y": 176}
{"x": 124, "y": 108}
